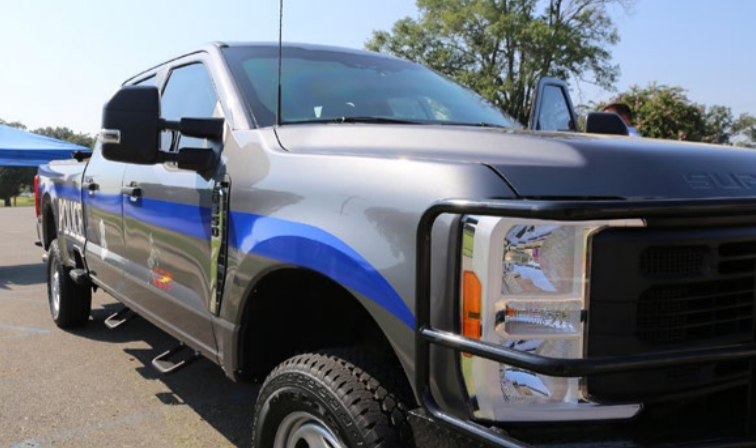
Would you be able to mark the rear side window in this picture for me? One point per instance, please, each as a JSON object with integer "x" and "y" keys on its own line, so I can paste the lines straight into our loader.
{"x": 189, "y": 93}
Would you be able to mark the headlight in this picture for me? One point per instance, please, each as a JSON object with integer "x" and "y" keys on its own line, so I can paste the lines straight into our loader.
{"x": 525, "y": 286}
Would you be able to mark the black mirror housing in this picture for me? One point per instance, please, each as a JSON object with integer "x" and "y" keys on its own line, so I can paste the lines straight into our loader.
{"x": 197, "y": 159}
{"x": 210, "y": 128}
{"x": 607, "y": 123}
{"x": 131, "y": 125}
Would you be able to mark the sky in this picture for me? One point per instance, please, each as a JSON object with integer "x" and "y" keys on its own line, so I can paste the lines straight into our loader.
{"x": 60, "y": 61}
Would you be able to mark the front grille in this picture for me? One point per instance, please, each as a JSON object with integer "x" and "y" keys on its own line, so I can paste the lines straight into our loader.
{"x": 696, "y": 311}
{"x": 670, "y": 289}
{"x": 689, "y": 260}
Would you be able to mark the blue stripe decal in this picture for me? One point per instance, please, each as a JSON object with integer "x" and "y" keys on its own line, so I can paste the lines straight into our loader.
{"x": 310, "y": 247}
{"x": 66, "y": 192}
{"x": 183, "y": 218}
{"x": 110, "y": 203}
{"x": 286, "y": 241}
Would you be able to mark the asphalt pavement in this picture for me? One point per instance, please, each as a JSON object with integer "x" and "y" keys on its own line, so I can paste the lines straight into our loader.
{"x": 95, "y": 387}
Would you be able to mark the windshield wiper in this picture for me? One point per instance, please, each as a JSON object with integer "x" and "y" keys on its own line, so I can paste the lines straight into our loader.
{"x": 481, "y": 124}
{"x": 373, "y": 120}
{"x": 387, "y": 120}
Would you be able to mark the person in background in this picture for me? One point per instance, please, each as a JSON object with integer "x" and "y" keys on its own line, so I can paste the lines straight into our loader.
{"x": 623, "y": 110}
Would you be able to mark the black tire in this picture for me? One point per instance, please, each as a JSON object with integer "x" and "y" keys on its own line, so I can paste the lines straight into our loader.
{"x": 325, "y": 392}
{"x": 70, "y": 304}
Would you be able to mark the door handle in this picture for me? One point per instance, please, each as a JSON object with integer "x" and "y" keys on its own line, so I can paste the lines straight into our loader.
{"x": 132, "y": 190}
{"x": 90, "y": 185}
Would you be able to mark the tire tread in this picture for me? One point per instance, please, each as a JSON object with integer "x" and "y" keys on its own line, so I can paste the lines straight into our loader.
{"x": 379, "y": 415}
{"x": 75, "y": 300}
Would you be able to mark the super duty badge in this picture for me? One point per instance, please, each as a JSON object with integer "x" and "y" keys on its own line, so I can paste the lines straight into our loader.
{"x": 725, "y": 181}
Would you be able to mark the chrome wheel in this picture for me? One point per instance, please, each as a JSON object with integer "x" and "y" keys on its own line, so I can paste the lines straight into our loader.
{"x": 304, "y": 430}
{"x": 70, "y": 304}
{"x": 54, "y": 290}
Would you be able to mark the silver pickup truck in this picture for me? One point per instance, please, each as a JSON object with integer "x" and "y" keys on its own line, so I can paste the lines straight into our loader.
{"x": 405, "y": 265}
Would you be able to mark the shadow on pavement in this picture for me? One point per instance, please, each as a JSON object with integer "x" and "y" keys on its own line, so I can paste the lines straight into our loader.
{"x": 23, "y": 275}
{"x": 202, "y": 385}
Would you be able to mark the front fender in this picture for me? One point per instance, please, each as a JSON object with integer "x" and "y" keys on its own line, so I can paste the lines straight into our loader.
{"x": 303, "y": 245}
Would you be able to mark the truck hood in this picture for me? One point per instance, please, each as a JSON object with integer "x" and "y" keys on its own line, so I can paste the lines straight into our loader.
{"x": 549, "y": 165}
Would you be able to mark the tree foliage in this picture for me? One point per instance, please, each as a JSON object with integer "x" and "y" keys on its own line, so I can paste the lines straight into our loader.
{"x": 661, "y": 111}
{"x": 500, "y": 48}
{"x": 13, "y": 179}
{"x": 744, "y": 128}
{"x": 719, "y": 124}
{"x": 66, "y": 134}
{"x": 13, "y": 124}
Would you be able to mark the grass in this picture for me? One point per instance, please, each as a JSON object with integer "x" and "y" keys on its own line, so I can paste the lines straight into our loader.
{"x": 20, "y": 201}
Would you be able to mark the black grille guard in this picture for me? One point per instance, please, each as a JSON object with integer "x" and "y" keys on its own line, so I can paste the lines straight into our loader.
{"x": 426, "y": 335}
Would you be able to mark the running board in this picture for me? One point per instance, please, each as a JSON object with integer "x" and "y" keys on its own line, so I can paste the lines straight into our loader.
{"x": 174, "y": 359}
{"x": 115, "y": 320}
{"x": 80, "y": 277}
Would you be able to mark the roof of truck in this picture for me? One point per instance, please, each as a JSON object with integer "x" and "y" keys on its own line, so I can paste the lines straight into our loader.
{"x": 214, "y": 46}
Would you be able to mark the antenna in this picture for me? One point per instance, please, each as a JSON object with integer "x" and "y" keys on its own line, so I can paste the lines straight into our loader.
{"x": 280, "y": 59}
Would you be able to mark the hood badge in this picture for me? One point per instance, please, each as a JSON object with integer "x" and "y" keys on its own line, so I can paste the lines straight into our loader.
{"x": 724, "y": 181}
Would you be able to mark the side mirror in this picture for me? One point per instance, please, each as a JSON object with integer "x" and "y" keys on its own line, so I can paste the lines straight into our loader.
{"x": 607, "y": 123}
{"x": 131, "y": 125}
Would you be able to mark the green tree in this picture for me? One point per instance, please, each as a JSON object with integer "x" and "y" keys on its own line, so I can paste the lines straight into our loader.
{"x": 719, "y": 124}
{"x": 13, "y": 179}
{"x": 744, "y": 128}
{"x": 661, "y": 111}
{"x": 500, "y": 48}
{"x": 63, "y": 133}
{"x": 13, "y": 124}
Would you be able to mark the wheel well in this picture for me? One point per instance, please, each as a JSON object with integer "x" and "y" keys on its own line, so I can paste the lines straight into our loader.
{"x": 49, "y": 228}
{"x": 294, "y": 311}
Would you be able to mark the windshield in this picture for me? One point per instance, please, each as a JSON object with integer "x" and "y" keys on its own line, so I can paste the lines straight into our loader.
{"x": 325, "y": 85}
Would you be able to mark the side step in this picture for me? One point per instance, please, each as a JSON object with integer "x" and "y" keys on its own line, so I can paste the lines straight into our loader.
{"x": 115, "y": 320}
{"x": 80, "y": 277}
{"x": 174, "y": 359}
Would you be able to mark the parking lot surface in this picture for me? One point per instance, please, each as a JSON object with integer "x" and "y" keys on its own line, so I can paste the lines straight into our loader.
{"x": 95, "y": 387}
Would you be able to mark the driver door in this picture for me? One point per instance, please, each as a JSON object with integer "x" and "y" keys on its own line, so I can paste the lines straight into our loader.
{"x": 168, "y": 223}
{"x": 551, "y": 108}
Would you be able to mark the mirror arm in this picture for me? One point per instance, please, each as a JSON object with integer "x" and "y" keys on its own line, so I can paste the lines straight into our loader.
{"x": 165, "y": 157}
{"x": 194, "y": 159}
{"x": 169, "y": 125}
{"x": 210, "y": 128}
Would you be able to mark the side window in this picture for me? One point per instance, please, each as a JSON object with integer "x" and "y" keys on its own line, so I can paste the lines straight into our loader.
{"x": 188, "y": 93}
{"x": 555, "y": 114}
{"x": 552, "y": 107}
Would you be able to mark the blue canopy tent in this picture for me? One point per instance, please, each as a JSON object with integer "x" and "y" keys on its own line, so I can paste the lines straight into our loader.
{"x": 21, "y": 148}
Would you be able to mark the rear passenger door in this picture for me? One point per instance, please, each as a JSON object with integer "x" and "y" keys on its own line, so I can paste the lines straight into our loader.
{"x": 168, "y": 227}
